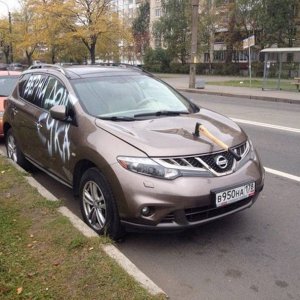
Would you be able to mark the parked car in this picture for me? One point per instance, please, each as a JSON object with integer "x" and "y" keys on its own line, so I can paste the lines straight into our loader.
{"x": 15, "y": 67}
{"x": 8, "y": 80}
{"x": 3, "y": 66}
{"x": 128, "y": 146}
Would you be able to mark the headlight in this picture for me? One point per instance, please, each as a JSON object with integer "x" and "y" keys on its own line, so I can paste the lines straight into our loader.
{"x": 249, "y": 155}
{"x": 147, "y": 166}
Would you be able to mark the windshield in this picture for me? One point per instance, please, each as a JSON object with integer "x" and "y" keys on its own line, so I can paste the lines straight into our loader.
{"x": 7, "y": 85}
{"x": 129, "y": 96}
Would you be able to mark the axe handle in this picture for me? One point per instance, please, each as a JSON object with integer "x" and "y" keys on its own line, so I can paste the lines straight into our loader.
{"x": 210, "y": 136}
{"x": 205, "y": 132}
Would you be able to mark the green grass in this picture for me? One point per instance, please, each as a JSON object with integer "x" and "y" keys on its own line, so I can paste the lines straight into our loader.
{"x": 42, "y": 256}
{"x": 256, "y": 83}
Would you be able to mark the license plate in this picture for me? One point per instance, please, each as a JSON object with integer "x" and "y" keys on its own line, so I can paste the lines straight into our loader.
{"x": 235, "y": 194}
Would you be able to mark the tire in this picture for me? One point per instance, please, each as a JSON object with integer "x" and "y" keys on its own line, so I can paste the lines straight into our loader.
{"x": 13, "y": 150}
{"x": 98, "y": 206}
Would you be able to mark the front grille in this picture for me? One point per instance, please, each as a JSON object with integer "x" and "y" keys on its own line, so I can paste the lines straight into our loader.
{"x": 210, "y": 160}
{"x": 206, "y": 212}
{"x": 202, "y": 213}
{"x": 206, "y": 161}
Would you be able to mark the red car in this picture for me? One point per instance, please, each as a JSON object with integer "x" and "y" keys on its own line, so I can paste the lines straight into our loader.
{"x": 8, "y": 80}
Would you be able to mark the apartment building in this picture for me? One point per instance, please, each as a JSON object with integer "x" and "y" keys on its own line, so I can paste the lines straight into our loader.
{"x": 127, "y": 10}
{"x": 216, "y": 49}
{"x": 155, "y": 13}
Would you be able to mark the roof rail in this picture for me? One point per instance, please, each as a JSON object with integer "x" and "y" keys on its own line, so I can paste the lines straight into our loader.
{"x": 42, "y": 66}
{"x": 136, "y": 67}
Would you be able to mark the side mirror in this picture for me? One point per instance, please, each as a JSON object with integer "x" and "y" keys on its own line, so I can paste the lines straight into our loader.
{"x": 59, "y": 112}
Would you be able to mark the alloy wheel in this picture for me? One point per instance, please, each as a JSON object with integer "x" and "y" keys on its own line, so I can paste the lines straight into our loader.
{"x": 94, "y": 205}
{"x": 12, "y": 148}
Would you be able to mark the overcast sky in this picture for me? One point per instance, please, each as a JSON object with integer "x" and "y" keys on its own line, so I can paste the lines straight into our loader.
{"x": 12, "y": 5}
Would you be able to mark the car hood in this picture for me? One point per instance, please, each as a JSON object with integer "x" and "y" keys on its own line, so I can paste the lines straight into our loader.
{"x": 173, "y": 136}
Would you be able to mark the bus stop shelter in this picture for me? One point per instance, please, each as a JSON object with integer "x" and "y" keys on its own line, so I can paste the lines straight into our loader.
{"x": 280, "y": 52}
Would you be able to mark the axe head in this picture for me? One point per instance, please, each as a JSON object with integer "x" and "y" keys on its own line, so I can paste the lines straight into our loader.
{"x": 197, "y": 131}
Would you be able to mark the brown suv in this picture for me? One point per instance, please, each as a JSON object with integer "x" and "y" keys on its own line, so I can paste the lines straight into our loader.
{"x": 126, "y": 143}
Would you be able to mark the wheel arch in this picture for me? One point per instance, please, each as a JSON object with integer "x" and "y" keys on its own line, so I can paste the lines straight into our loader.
{"x": 79, "y": 170}
{"x": 6, "y": 127}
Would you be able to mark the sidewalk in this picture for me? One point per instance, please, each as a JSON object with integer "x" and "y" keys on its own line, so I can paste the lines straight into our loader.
{"x": 181, "y": 82}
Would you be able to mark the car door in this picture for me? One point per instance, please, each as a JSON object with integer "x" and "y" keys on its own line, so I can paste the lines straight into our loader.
{"x": 26, "y": 108}
{"x": 55, "y": 132}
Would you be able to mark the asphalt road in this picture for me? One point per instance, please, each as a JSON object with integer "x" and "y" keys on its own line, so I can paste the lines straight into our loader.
{"x": 250, "y": 255}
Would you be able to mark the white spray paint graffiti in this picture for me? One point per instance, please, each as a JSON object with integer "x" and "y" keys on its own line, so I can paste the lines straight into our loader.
{"x": 54, "y": 134}
{"x": 56, "y": 137}
{"x": 58, "y": 94}
{"x": 36, "y": 87}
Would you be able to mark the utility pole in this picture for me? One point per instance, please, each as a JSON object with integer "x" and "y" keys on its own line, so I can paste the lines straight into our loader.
{"x": 195, "y": 15}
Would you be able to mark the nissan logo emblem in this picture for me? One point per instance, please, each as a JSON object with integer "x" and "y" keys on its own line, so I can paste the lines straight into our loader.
{"x": 221, "y": 161}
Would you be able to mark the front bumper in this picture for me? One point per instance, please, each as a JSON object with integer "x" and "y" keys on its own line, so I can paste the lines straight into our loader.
{"x": 183, "y": 202}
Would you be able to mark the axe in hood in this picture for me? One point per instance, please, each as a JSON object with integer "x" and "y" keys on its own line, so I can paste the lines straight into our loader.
{"x": 201, "y": 129}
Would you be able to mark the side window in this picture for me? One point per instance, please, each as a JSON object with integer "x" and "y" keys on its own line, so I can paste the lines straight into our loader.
{"x": 34, "y": 88}
{"x": 22, "y": 83}
{"x": 55, "y": 94}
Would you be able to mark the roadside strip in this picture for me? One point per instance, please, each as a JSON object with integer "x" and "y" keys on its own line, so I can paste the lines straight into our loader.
{"x": 241, "y": 95}
{"x": 109, "y": 249}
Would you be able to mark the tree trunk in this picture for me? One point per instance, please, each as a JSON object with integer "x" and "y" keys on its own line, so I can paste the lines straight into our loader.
{"x": 53, "y": 56}
{"x": 29, "y": 58}
{"x": 6, "y": 53}
{"x": 92, "y": 48}
{"x": 93, "y": 53}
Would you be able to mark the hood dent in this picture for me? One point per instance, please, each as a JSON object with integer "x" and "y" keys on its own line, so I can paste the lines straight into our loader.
{"x": 173, "y": 136}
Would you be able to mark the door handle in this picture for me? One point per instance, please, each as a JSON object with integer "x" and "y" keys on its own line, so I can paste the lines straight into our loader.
{"x": 15, "y": 111}
{"x": 39, "y": 125}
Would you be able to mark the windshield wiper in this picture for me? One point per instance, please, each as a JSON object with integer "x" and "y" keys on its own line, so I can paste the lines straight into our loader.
{"x": 162, "y": 113}
{"x": 116, "y": 118}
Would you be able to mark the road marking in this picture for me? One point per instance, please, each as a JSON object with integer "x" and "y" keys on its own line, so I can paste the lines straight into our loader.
{"x": 283, "y": 174}
{"x": 290, "y": 129}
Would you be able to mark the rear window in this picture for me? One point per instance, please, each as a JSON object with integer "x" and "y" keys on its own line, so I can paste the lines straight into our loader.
{"x": 7, "y": 84}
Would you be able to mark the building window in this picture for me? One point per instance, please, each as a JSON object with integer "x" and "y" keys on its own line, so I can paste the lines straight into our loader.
{"x": 206, "y": 57}
{"x": 157, "y": 12}
{"x": 157, "y": 43}
{"x": 219, "y": 55}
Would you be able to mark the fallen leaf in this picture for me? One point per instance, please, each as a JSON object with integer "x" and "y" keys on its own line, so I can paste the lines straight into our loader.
{"x": 31, "y": 274}
{"x": 92, "y": 248}
{"x": 31, "y": 235}
{"x": 29, "y": 245}
{"x": 19, "y": 290}
{"x": 2, "y": 172}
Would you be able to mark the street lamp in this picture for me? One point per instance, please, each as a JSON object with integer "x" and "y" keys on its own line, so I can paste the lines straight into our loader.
{"x": 10, "y": 31}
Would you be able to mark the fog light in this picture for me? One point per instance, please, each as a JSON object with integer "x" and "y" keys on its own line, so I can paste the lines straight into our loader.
{"x": 146, "y": 211}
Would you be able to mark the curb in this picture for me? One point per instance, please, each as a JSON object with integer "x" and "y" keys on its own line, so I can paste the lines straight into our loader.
{"x": 262, "y": 98}
{"x": 109, "y": 249}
